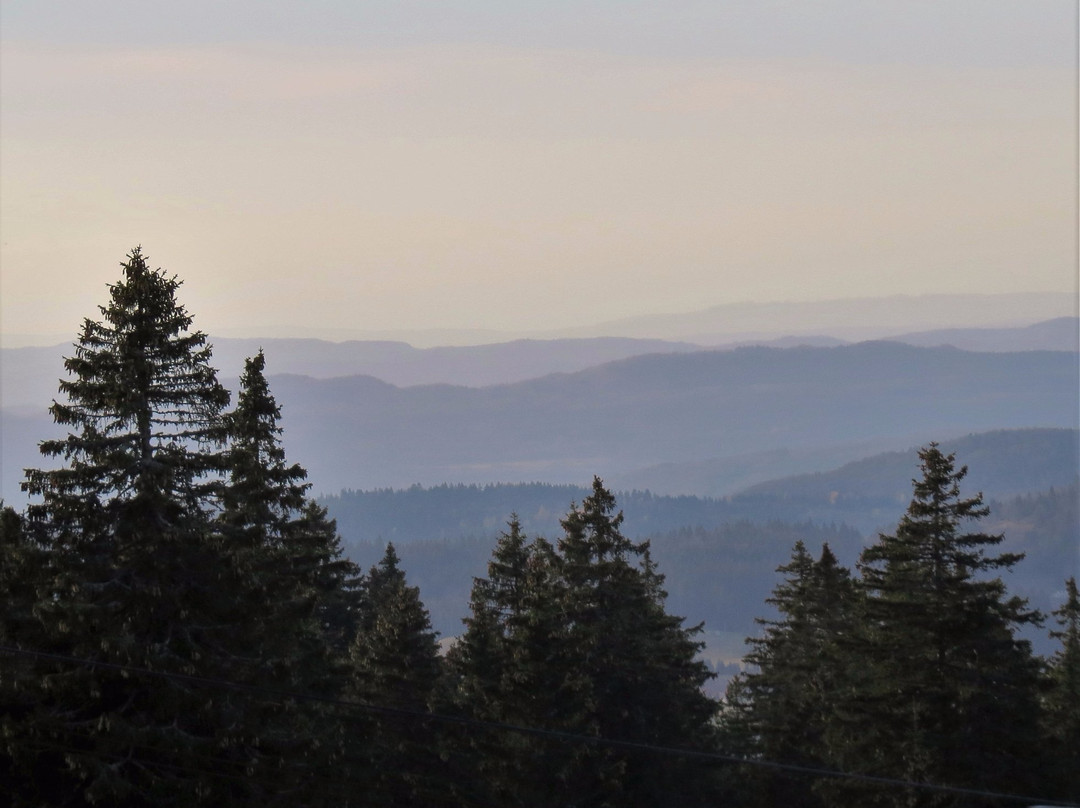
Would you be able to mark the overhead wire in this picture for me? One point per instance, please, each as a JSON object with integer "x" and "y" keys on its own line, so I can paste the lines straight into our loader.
{"x": 565, "y": 736}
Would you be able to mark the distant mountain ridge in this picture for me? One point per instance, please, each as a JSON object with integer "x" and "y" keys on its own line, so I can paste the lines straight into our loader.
{"x": 656, "y": 410}
{"x": 28, "y": 376}
{"x": 1059, "y": 334}
{"x": 853, "y": 318}
{"x": 1004, "y": 464}
{"x": 359, "y": 432}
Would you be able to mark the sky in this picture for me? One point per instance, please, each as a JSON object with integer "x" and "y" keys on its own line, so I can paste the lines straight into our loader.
{"x": 520, "y": 166}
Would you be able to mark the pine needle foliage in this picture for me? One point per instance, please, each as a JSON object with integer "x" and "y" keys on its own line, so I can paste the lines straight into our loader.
{"x": 783, "y": 709}
{"x": 1061, "y": 707}
{"x": 137, "y": 567}
{"x": 574, "y": 637}
{"x": 950, "y": 696}
{"x": 394, "y": 662}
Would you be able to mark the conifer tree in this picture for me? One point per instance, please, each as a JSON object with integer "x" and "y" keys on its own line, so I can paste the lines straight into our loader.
{"x": 21, "y": 562}
{"x": 136, "y": 574}
{"x": 628, "y": 668}
{"x": 575, "y": 638}
{"x": 499, "y": 670}
{"x": 298, "y": 593}
{"x": 302, "y": 586}
{"x": 395, "y": 668}
{"x": 949, "y": 698}
{"x": 479, "y": 661}
{"x": 125, "y": 524}
{"x": 21, "y": 571}
{"x": 783, "y": 710}
{"x": 1062, "y": 702}
{"x": 144, "y": 408}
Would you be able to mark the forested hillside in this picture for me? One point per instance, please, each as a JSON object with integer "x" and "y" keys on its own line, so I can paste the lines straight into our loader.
{"x": 1003, "y": 463}
{"x": 867, "y": 492}
{"x": 719, "y": 555}
{"x": 864, "y": 494}
{"x": 719, "y": 565}
{"x": 1006, "y": 462}
{"x": 454, "y": 511}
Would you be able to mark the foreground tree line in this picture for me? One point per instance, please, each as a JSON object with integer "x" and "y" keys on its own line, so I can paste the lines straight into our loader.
{"x": 179, "y": 627}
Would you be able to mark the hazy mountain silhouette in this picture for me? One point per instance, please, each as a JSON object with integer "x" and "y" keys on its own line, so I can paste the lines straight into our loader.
{"x": 28, "y": 376}
{"x": 737, "y": 409}
{"x": 1004, "y": 464}
{"x": 1059, "y": 334}
{"x": 854, "y": 318}
{"x": 612, "y": 419}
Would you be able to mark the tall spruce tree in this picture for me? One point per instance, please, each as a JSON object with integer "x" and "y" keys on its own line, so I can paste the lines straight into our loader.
{"x": 950, "y": 695}
{"x": 395, "y": 669}
{"x": 500, "y": 670}
{"x": 125, "y": 523}
{"x": 1061, "y": 717}
{"x": 299, "y": 598}
{"x": 628, "y": 669}
{"x": 479, "y": 662}
{"x": 575, "y": 638}
{"x": 784, "y": 709}
{"x": 136, "y": 574}
{"x": 304, "y": 589}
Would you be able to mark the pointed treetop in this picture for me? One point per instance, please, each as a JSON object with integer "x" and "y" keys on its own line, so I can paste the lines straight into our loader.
{"x": 390, "y": 561}
{"x": 592, "y": 530}
{"x": 940, "y": 485}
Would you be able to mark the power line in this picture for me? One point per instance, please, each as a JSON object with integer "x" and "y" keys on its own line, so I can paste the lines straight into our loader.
{"x": 568, "y": 737}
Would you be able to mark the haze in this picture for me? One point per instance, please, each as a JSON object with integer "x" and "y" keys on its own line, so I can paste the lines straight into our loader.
{"x": 334, "y": 165}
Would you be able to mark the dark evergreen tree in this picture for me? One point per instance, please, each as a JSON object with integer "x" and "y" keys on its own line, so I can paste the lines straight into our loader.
{"x": 395, "y": 669}
{"x": 21, "y": 572}
{"x": 950, "y": 696}
{"x": 144, "y": 408}
{"x": 270, "y": 526}
{"x": 138, "y": 573}
{"x": 626, "y": 669}
{"x": 500, "y": 670}
{"x": 300, "y": 596}
{"x": 478, "y": 661}
{"x": 21, "y": 563}
{"x": 575, "y": 639}
{"x": 1062, "y": 701}
{"x": 784, "y": 709}
{"x": 125, "y": 523}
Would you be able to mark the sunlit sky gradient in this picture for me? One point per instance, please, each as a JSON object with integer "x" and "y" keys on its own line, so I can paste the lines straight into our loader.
{"x": 405, "y": 165}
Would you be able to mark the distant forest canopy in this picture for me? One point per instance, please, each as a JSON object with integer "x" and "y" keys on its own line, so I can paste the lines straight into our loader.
{"x": 864, "y": 494}
{"x": 718, "y": 569}
{"x": 720, "y": 555}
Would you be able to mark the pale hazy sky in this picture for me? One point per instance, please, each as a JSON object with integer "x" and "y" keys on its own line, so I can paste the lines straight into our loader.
{"x": 399, "y": 165}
